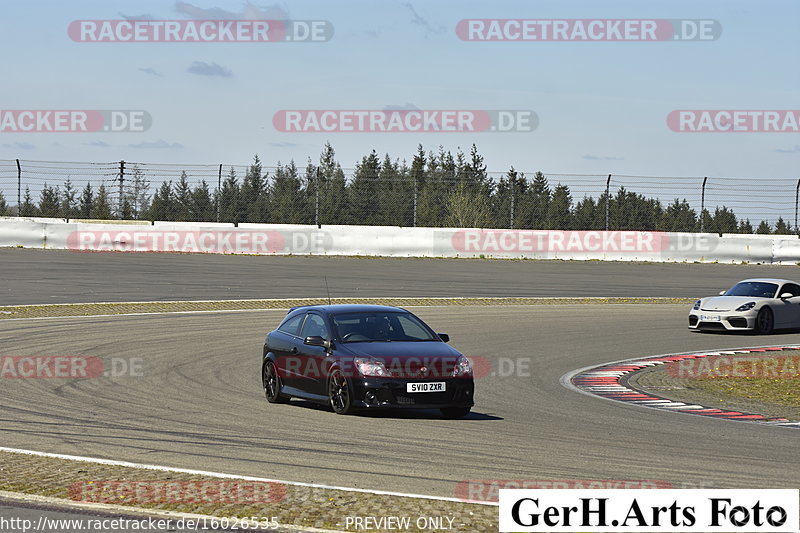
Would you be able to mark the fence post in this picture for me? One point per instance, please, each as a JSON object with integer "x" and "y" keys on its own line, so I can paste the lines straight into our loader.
{"x": 121, "y": 183}
{"x": 19, "y": 189}
{"x": 219, "y": 189}
{"x": 513, "y": 183}
{"x": 796, "y": 196}
{"x": 608, "y": 198}
{"x": 703, "y": 204}
{"x": 316, "y": 201}
{"x": 414, "y": 215}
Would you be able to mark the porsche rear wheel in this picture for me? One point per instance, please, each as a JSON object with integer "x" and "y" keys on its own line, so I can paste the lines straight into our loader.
{"x": 765, "y": 321}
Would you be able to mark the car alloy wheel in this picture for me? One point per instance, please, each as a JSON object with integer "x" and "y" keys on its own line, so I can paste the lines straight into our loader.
{"x": 765, "y": 321}
{"x": 272, "y": 384}
{"x": 339, "y": 393}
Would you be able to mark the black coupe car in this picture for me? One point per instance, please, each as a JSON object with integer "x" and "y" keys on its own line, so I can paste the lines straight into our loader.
{"x": 365, "y": 357}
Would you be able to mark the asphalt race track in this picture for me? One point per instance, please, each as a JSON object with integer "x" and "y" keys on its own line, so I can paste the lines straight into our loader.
{"x": 61, "y": 276}
{"x": 198, "y": 403}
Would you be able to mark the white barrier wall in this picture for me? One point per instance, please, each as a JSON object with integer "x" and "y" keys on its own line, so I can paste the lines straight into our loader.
{"x": 271, "y": 239}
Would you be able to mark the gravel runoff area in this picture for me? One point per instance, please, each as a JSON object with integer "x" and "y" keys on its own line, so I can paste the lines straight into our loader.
{"x": 115, "y": 308}
{"x": 296, "y": 506}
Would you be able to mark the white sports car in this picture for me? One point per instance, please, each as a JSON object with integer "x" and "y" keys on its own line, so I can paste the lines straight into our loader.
{"x": 759, "y": 305}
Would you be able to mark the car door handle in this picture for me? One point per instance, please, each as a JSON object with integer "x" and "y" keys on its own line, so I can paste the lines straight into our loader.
{"x": 294, "y": 350}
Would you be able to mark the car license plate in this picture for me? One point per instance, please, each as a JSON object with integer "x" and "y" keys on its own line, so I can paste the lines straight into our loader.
{"x": 710, "y": 318}
{"x": 439, "y": 386}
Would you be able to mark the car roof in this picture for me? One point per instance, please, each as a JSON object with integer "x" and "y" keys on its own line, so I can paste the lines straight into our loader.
{"x": 768, "y": 280}
{"x": 349, "y": 308}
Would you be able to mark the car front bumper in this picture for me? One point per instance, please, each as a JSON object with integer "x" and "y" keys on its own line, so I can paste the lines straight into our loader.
{"x": 380, "y": 393}
{"x": 722, "y": 320}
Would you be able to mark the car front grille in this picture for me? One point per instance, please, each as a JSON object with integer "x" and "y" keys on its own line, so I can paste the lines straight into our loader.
{"x": 692, "y": 320}
{"x": 712, "y": 325}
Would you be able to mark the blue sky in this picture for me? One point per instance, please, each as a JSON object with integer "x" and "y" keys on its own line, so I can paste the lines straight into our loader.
{"x": 602, "y": 106}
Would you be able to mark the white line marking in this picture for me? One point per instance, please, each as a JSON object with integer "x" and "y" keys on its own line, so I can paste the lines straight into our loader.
{"x": 234, "y": 476}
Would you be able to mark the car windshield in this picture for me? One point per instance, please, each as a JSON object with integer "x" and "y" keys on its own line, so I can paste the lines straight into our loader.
{"x": 380, "y": 326}
{"x": 757, "y": 289}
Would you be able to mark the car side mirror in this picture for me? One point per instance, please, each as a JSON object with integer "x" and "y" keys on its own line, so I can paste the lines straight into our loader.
{"x": 787, "y": 295}
{"x": 722, "y": 293}
{"x": 316, "y": 340}
{"x": 444, "y": 336}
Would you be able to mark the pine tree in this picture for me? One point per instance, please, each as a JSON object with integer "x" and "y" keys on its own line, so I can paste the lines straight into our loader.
{"x": 163, "y": 204}
{"x": 474, "y": 174}
{"x": 229, "y": 198}
{"x": 745, "y": 226}
{"x": 253, "y": 192}
{"x": 126, "y": 209}
{"x": 138, "y": 192}
{"x": 202, "y": 207}
{"x": 585, "y": 214}
{"x": 331, "y": 181}
{"x": 183, "y": 199}
{"x": 363, "y": 190}
{"x": 509, "y": 210}
{"x": 86, "y": 202}
{"x": 69, "y": 208}
{"x": 724, "y": 220}
{"x": 706, "y": 222}
{"x": 395, "y": 194}
{"x": 631, "y": 211}
{"x": 602, "y": 212}
{"x": 3, "y": 206}
{"x": 101, "y": 207}
{"x": 417, "y": 178}
{"x": 764, "y": 228}
{"x": 539, "y": 202}
{"x": 287, "y": 201}
{"x": 440, "y": 181}
{"x": 49, "y": 205}
{"x": 559, "y": 211}
{"x": 28, "y": 209}
{"x": 781, "y": 227}
{"x": 679, "y": 217}
{"x": 430, "y": 196}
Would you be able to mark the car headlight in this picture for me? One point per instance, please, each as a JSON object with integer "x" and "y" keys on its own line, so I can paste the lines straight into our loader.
{"x": 746, "y": 307}
{"x": 696, "y": 305}
{"x": 370, "y": 367}
{"x": 463, "y": 367}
